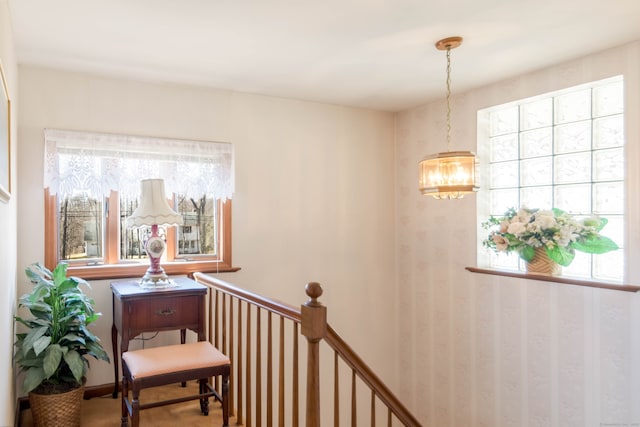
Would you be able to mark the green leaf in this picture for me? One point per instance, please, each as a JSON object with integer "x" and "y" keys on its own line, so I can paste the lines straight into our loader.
{"x": 527, "y": 253}
{"x": 32, "y": 379}
{"x": 29, "y": 361}
{"x": 60, "y": 274}
{"x": 52, "y": 358}
{"x": 67, "y": 285}
{"x": 93, "y": 317}
{"x": 595, "y": 245}
{"x": 31, "y": 338}
{"x": 75, "y": 363}
{"x": 562, "y": 256}
{"x": 71, "y": 338}
{"x": 41, "y": 344}
{"x": 97, "y": 351}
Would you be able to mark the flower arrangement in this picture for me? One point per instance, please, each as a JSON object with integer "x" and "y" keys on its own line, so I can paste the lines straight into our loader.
{"x": 524, "y": 230}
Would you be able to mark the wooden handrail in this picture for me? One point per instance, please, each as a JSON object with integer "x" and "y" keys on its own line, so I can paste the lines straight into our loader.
{"x": 311, "y": 318}
{"x": 284, "y": 309}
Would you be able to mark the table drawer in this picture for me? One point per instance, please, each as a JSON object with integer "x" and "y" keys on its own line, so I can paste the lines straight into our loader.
{"x": 164, "y": 313}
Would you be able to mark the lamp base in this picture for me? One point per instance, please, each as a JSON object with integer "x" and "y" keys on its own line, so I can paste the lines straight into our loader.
{"x": 156, "y": 281}
{"x": 155, "y": 277}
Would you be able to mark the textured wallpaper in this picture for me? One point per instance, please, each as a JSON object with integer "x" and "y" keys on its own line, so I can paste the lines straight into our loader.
{"x": 495, "y": 351}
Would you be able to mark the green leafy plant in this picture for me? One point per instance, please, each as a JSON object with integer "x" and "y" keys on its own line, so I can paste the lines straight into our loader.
{"x": 53, "y": 353}
{"x": 524, "y": 230}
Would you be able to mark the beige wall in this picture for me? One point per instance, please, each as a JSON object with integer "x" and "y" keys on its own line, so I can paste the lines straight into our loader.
{"x": 483, "y": 350}
{"x": 314, "y": 191}
{"x": 8, "y": 233}
{"x": 313, "y": 200}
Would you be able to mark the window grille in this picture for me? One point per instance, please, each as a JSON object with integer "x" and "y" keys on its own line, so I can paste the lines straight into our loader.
{"x": 562, "y": 150}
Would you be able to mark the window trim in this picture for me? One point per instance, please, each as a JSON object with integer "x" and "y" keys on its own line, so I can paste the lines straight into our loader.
{"x": 567, "y": 280}
{"x": 112, "y": 268}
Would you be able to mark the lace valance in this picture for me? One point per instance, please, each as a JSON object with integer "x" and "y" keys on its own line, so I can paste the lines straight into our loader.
{"x": 96, "y": 163}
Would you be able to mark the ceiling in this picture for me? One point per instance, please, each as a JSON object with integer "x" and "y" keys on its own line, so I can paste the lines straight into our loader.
{"x": 376, "y": 54}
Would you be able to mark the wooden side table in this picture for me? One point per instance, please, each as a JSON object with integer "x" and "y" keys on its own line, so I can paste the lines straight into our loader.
{"x": 137, "y": 310}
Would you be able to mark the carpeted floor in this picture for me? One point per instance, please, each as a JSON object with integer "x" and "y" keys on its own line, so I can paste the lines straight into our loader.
{"x": 105, "y": 411}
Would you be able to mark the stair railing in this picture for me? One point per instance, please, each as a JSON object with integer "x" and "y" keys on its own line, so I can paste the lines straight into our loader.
{"x": 236, "y": 318}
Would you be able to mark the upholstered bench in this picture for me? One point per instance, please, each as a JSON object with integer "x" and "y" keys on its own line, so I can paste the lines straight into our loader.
{"x": 158, "y": 366}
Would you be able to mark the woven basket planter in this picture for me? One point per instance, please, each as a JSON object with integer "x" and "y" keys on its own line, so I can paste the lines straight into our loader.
{"x": 57, "y": 410}
{"x": 542, "y": 264}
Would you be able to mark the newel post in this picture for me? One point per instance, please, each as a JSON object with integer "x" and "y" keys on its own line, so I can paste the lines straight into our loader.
{"x": 314, "y": 328}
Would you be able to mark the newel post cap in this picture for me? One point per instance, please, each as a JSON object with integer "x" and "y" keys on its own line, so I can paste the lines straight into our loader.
{"x": 314, "y": 314}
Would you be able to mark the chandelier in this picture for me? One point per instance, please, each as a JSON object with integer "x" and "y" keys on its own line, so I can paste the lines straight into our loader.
{"x": 450, "y": 174}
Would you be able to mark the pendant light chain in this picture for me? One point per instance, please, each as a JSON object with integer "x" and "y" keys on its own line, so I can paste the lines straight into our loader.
{"x": 450, "y": 174}
{"x": 448, "y": 99}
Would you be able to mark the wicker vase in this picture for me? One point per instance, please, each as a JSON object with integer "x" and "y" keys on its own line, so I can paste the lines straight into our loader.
{"x": 542, "y": 264}
{"x": 57, "y": 410}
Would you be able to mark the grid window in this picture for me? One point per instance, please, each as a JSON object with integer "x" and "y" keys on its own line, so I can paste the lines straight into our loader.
{"x": 563, "y": 150}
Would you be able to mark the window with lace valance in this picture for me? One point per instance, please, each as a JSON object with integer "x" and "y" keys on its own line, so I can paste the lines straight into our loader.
{"x": 92, "y": 184}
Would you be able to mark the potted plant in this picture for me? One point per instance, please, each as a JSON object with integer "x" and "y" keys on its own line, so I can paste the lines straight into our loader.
{"x": 53, "y": 352}
{"x": 545, "y": 238}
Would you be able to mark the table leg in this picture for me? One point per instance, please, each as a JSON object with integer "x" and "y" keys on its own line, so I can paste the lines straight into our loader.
{"x": 116, "y": 359}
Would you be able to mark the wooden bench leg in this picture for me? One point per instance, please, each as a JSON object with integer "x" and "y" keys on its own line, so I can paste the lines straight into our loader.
{"x": 204, "y": 401}
{"x": 135, "y": 406}
{"x": 225, "y": 400}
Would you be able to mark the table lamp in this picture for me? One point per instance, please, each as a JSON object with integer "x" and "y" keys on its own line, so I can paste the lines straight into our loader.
{"x": 152, "y": 211}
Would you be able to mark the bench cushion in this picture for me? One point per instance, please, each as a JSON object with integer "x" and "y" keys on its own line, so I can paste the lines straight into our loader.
{"x": 149, "y": 362}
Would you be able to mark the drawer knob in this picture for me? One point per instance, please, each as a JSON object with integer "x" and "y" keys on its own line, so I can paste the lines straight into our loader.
{"x": 165, "y": 312}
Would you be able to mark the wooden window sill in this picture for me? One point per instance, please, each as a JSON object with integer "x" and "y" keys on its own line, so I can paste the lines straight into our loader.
{"x": 557, "y": 279}
{"x": 120, "y": 271}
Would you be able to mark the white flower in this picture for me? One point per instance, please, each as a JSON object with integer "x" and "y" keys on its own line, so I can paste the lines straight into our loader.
{"x": 517, "y": 228}
{"x": 522, "y": 216}
{"x": 542, "y": 212}
{"x": 544, "y": 222}
{"x": 501, "y": 243}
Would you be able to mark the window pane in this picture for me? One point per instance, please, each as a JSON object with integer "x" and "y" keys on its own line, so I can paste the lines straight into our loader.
{"x": 536, "y": 114}
{"x": 580, "y": 266}
{"x": 80, "y": 227}
{"x": 609, "y": 265}
{"x": 608, "y": 99}
{"x": 573, "y": 137}
{"x": 198, "y": 234}
{"x": 573, "y": 168}
{"x": 608, "y": 132}
{"x": 504, "y": 147}
{"x": 501, "y": 200}
{"x": 536, "y": 143}
{"x": 535, "y": 171}
{"x": 504, "y": 174}
{"x": 537, "y": 197}
{"x": 573, "y": 106}
{"x": 503, "y": 121}
{"x": 608, "y": 165}
{"x": 608, "y": 198}
{"x": 132, "y": 240}
{"x": 573, "y": 198}
{"x": 504, "y": 260}
{"x": 615, "y": 229}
